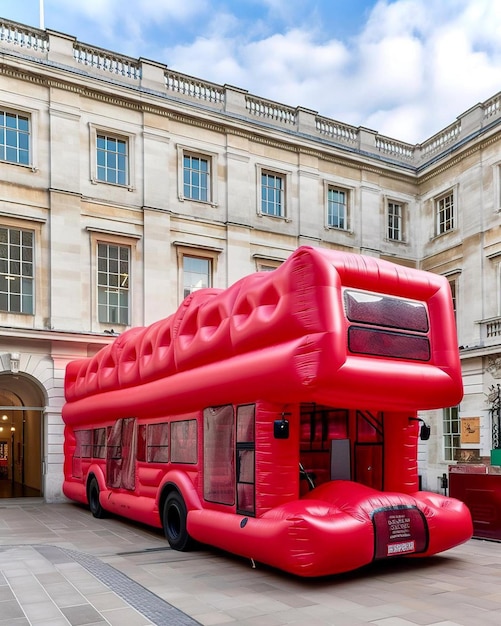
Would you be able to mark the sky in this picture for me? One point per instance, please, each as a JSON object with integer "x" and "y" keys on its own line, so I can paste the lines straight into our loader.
{"x": 404, "y": 68}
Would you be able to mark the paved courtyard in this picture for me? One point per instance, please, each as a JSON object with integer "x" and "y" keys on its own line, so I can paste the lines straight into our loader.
{"x": 60, "y": 566}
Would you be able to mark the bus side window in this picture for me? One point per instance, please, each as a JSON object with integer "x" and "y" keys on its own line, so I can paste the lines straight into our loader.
{"x": 141, "y": 443}
{"x": 157, "y": 443}
{"x": 83, "y": 440}
{"x": 184, "y": 446}
{"x": 246, "y": 459}
{"x": 99, "y": 443}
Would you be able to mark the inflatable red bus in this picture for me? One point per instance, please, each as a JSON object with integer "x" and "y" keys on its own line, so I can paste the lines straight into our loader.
{"x": 276, "y": 419}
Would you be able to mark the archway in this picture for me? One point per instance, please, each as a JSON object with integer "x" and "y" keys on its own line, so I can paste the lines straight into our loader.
{"x": 21, "y": 437}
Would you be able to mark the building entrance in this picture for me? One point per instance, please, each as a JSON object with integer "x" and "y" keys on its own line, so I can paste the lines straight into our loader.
{"x": 21, "y": 437}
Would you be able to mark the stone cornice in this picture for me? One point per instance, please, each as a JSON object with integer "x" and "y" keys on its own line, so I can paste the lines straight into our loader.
{"x": 257, "y": 134}
{"x": 336, "y": 154}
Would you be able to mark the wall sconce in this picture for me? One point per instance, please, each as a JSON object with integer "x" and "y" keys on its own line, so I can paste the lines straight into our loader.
{"x": 4, "y": 418}
{"x": 12, "y": 429}
{"x": 14, "y": 362}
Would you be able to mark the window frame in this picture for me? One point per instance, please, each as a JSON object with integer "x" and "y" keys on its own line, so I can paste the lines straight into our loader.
{"x": 33, "y": 115}
{"x": 285, "y": 175}
{"x": 9, "y": 110}
{"x": 212, "y": 158}
{"x": 34, "y": 233}
{"x": 453, "y": 280}
{"x": 455, "y": 442}
{"x": 185, "y": 250}
{"x": 179, "y": 447}
{"x": 121, "y": 135}
{"x": 330, "y": 187}
{"x": 108, "y": 237}
{"x": 497, "y": 187}
{"x": 263, "y": 265}
{"x": 108, "y": 287}
{"x": 402, "y": 229}
{"x": 447, "y": 224}
{"x": 210, "y": 273}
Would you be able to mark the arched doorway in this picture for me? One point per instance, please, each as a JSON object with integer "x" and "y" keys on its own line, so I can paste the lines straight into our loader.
{"x": 21, "y": 437}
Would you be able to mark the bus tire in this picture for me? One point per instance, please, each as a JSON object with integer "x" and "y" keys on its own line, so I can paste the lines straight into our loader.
{"x": 93, "y": 497}
{"x": 174, "y": 523}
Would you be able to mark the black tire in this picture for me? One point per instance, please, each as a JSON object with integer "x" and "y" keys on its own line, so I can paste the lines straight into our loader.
{"x": 93, "y": 497}
{"x": 174, "y": 523}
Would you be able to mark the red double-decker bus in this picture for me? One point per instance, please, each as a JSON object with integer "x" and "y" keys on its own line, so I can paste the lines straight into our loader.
{"x": 276, "y": 419}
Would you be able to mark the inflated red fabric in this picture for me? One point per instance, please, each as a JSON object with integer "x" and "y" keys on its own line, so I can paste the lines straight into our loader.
{"x": 280, "y": 340}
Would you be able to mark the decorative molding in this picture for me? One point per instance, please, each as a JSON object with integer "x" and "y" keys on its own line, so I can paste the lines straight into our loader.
{"x": 494, "y": 366}
{"x": 353, "y": 157}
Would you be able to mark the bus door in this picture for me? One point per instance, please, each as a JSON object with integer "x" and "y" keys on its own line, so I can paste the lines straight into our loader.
{"x": 368, "y": 448}
{"x": 121, "y": 454}
{"x": 229, "y": 457}
{"x": 324, "y": 444}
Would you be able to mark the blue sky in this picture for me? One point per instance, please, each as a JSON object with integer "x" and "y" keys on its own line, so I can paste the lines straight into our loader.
{"x": 405, "y": 68}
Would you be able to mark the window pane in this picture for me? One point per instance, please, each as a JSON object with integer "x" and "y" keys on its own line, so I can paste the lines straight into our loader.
{"x": 445, "y": 214}
{"x": 14, "y": 138}
{"x": 196, "y": 177}
{"x": 158, "y": 443}
{"x": 245, "y": 423}
{"x": 196, "y": 274}
{"x": 112, "y": 160}
{"x": 184, "y": 447}
{"x": 272, "y": 198}
{"x": 394, "y": 221}
{"x": 113, "y": 283}
{"x": 16, "y": 278}
{"x": 337, "y": 208}
{"x": 451, "y": 429}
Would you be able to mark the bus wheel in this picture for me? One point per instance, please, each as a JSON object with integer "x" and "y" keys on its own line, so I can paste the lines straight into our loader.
{"x": 174, "y": 522}
{"x": 93, "y": 496}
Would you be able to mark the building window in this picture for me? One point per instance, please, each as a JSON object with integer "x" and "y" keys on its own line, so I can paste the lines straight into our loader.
{"x": 16, "y": 270}
{"x": 14, "y": 138}
{"x": 451, "y": 432}
{"x": 452, "y": 285}
{"x": 337, "y": 208}
{"x": 395, "y": 221}
{"x": 196, "y": 177}
{"x": 272, "y": 194}
{"x": 497, "y": 187}
{"x": 113, "y": 272}
{"x": 445, "y": 213}
{"x": 112, "y": 159}
{"x": 196, "y": 173}
{"x": 197, "y": 274}
{"x": 263, "y": 266}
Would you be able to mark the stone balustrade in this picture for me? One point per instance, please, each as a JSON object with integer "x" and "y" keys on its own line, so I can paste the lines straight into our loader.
{"x": 336, "y": 130}
{"x": 159, "y": 80}
{"x": 442, "y": 139}
{"x": 105, "y": 61}
{"x": 270, "y": 111}
{"x": 183, "y": 85}
{"x": 23, "y": 36}
{"x": 395, "y": 149}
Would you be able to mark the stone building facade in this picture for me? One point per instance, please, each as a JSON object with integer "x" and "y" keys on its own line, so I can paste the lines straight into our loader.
{"x": 124, "y": 185}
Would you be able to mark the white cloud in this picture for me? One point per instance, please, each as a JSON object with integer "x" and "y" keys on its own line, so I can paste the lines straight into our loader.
{"x": 412, "y": 68}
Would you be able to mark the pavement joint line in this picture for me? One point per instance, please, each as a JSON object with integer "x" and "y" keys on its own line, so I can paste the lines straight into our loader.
{"x": 158, "y": 611}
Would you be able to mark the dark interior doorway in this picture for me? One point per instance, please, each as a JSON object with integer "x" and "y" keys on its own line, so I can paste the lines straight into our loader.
{"x": 21, "y": 437}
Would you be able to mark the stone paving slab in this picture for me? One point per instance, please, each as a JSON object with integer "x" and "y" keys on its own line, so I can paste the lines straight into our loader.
{"x": 59, "y": 565}
{"x": 46, "y": 584}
